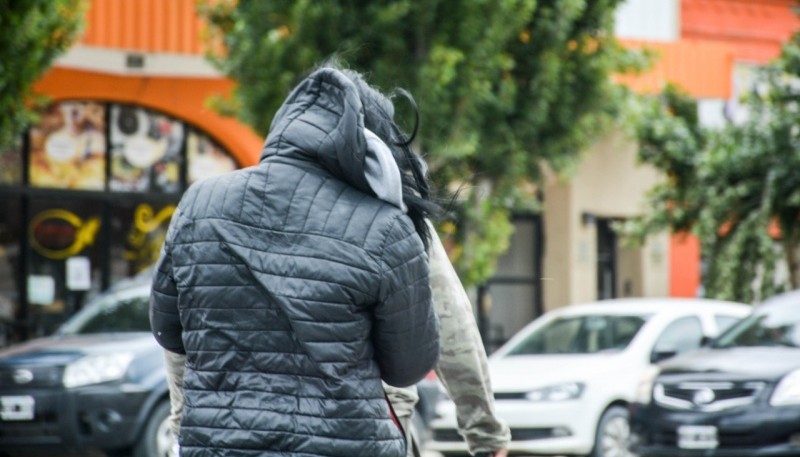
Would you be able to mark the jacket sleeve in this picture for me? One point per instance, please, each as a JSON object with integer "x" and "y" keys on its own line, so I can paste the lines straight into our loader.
{"x": 405, "y": 329}
{"x": 463, "y": 367}
{"x": 164, "y": 317}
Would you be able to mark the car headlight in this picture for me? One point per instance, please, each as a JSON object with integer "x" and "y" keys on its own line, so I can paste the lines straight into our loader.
{"x": 558, "y": 392}
{"x": 94, "y": 369}
{"x": 788, "y": 390}
{"x": 644, "y": 390}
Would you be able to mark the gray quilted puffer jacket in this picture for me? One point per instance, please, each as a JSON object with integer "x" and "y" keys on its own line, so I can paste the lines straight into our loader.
{"x": 293, "y": 292}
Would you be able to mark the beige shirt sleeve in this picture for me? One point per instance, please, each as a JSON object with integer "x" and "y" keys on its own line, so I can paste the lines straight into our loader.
{"x": 175, "y": 365}
{"x": 463, "y": 366}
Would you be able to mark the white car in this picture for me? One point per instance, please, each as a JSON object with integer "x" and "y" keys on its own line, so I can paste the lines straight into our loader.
{"x": 563, "y": 383}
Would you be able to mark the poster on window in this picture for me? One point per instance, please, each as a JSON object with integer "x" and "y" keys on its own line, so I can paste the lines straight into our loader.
{"x": 68, "y": 147}
{"x": 206, "y": 158}
{"x": 145, "y": 150}
{"x": 11, "y": 163}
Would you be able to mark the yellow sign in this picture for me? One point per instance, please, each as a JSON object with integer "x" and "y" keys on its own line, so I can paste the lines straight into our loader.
{"x": 144, "y": 239}
{"x": 58, "y": 234}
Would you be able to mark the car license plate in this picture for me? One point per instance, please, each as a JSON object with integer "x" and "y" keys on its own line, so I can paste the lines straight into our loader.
{"x": 697, "y": 437}
{"x": 16, "y": 408}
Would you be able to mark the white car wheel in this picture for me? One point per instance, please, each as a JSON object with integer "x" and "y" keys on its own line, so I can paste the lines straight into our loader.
{"x": 613, "y": 434}
{"x": 157, "y": 439}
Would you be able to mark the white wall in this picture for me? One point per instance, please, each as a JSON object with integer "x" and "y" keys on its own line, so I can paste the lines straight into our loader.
{"x": 610, "y": 184}
{"x": 655, "y": 20}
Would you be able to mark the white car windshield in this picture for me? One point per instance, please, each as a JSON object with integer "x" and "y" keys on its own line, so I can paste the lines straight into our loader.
{"x": 581, "y": 335}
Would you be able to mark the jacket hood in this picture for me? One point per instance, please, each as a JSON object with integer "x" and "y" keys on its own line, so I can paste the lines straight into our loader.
{"x": 322, "y": 121}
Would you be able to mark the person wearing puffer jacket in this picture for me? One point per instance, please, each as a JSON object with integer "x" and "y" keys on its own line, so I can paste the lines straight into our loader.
{"x": 295, "y": 287}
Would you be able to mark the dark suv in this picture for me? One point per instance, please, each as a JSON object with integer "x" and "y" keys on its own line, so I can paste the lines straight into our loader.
{"x": 99, "y": 384}
{"x": 739, "y": 396}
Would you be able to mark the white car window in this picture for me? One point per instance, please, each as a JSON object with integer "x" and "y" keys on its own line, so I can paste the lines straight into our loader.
{"x": 724, "y": 321}
{"x": 581, "y": 335}
{"x": 683, "y": 334}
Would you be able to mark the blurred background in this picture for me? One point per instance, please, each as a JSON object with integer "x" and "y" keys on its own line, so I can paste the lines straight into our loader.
{"x": 585, "y": 150}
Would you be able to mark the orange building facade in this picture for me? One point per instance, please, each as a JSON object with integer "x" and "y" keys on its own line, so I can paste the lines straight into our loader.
{"x": 752, "y": 33}
{"x": 87, "y": 193}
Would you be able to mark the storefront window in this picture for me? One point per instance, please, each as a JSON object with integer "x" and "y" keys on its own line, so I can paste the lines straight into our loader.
{"x": 10, "y": 268}
{"x": 68, "y": 147}
{"x": 65, "y": 259}
{"x": 11, "y": 163}
{"x": 206, "y": 158}
{"x": 58, "y": 248}
{"x": 145, "y": 150}
{"x": 138, "y": 230}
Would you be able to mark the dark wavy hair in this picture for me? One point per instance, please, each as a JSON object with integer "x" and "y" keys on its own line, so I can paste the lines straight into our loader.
{"x": 379, "y": 118}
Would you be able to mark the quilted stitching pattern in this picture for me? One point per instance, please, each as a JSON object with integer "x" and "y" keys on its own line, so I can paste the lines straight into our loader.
{"x": 297, "y": 294}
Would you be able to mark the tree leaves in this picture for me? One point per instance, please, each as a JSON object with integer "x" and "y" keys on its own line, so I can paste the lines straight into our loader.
{"x": 737, "y": 188}
{"x": 503, "y": 86}
{"x": 32, "y": 34}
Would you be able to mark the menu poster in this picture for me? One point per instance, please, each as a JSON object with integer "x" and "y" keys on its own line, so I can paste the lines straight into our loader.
{"x": 145, "y": 150}
{"x": 206, "y": 158}
{"x": 11, "y": 163}
{"x": 68, "y": 147}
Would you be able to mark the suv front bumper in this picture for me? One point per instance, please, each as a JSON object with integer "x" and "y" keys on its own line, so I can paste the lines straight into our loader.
{"x": 753, "y": 431}
{"x": 93, "y": 417}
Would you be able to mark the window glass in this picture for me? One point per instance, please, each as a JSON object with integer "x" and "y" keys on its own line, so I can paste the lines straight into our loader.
{"x": 145, "y": 150}
{"x": 10, "y": 269}
{"x": 68, "y": 147}
{"x": 206, "y": 158}
{"x": 111, "y": 314}
{"x": 683, "y": 334}
{"x": 775, "y": 325}
{"x": 507, "y": 322}
{"x": 61, "y": 230}
{"x": 11, "y": 163}
{"x": 138, "y": 230}
{"x": 725, "y": 322}
{"x": 582, "y": 335}
{"x": 518, "y": 262}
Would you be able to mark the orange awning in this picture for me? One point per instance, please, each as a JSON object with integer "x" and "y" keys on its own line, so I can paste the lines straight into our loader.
{"x": 183, "y": 98}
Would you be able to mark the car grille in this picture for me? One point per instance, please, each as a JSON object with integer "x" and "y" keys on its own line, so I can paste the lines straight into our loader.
{"x": 706, "y": 396}
{"x": 509, "y": 395}
{"x": 517, "y": 434}
{"x": 44, "y": 426}
{"x": 447, "y": 435}
{"x": 525, "y": 434}
{"x": 25, "y": 377}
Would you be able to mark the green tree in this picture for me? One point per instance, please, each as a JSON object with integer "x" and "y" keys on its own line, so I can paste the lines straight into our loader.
{"x": 503, "y": 87}
{"x": 731, "y": 186}
{"x": 32, "y": 34}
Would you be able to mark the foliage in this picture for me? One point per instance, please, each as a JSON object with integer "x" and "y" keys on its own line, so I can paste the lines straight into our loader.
{"x": 737, "y": 188}
{"x": 32, "y": 34}
{"x": 503, "y": 87}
